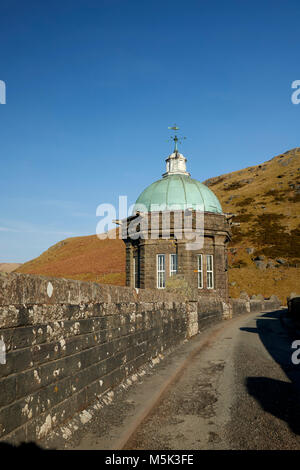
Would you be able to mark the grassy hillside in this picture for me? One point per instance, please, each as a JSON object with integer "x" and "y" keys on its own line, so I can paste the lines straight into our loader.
{"x": 83, "y": 258}
{"x": 8, "y": 267}
{"x": 266, "y": 200}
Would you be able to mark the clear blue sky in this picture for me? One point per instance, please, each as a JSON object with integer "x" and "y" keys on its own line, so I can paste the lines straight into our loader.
{"x": 93, "y": 85}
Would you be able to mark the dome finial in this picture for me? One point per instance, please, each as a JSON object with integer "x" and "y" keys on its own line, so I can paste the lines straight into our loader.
{"x": 175, "y": 137}
{"x": 176, "y": 162}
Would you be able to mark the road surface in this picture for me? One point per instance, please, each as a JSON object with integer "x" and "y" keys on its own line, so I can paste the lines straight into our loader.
{"x": 232, "y": 386}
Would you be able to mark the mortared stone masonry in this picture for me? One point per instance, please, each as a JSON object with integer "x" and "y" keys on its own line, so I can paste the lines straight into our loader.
{"x": 69, "y": 342}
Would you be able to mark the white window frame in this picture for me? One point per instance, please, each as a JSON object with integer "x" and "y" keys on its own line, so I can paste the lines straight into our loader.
{"x": 200, "y": 271}
{"x": 210, "y": 271}
{"x": 160, "y": 270}
{"x": 172, "y": 270}
{"x": 135, "y": 271}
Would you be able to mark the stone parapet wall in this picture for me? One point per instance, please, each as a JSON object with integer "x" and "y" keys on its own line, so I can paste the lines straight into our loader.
{"x": 69, "y": 342}
{"x": 239, "y": 306}
{"x": 210, "y": 310}
{"x": 256, "y": 305}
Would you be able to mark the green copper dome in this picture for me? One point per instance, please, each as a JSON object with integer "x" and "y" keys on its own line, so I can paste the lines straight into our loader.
{"x": 180, "y": 190}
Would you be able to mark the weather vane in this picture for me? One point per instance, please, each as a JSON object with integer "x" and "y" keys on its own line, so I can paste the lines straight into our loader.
{"x": 177, "y": 139}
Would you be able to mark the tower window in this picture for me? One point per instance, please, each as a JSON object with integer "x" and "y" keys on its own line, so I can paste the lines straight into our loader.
{"x": 136, "y": 271}
{"x": 200, "y": 271}
{"x": 161, "y": 272}
{"x": 173, "y": 264}
{"x": 210, "y": 271}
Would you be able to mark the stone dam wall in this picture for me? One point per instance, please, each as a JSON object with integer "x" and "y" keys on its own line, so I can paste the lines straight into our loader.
{"x": 69, "y": 342}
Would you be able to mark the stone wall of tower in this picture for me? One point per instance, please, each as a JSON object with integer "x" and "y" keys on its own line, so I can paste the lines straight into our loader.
{"x": 129, "y": 260}
{"x": 149, "y": 251}
{"x": 216, "y": 235}
{"x": 221, "y": 275}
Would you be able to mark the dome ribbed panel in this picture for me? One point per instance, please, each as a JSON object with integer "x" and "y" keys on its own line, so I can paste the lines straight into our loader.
{"x": 180, "y": 191}
{"x": 176, "y": 193}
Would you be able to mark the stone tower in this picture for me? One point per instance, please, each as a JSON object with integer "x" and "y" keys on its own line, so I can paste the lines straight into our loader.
{"x": 177, "y": 228}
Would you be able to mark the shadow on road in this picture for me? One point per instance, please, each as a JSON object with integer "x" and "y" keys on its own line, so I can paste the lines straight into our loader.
{"x": 281, "y": 399}
{"x": 25, "y": 447}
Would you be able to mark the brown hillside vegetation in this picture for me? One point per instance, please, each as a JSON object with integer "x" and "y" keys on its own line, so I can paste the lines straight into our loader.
{"x": 83, "y": 258}
{"x": 8, "y": 267}
{"x": 264, "y": 255}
